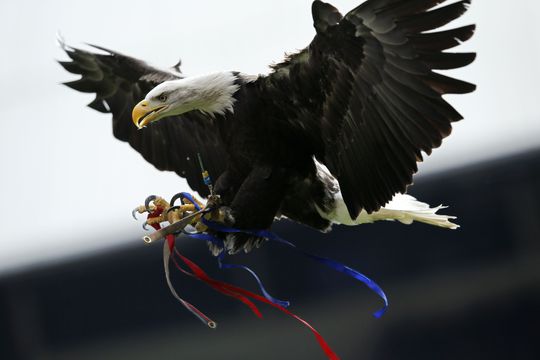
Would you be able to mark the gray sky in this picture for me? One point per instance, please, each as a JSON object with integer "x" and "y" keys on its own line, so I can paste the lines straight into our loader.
{"x": 68, "y": 185}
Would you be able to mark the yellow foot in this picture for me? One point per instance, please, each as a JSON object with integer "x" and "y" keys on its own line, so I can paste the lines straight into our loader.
{"x": 160, "y": 211}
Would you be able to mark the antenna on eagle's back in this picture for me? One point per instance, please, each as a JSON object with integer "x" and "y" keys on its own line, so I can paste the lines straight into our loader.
{"x": 206, "y": 177}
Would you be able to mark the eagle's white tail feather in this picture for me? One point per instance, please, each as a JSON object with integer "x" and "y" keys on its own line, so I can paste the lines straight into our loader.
{"x": 406, "y": 209}
{"x": 403, "y": 208}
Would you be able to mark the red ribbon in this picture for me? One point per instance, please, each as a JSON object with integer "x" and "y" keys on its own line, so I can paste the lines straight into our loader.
{"x": 242, "y": 294}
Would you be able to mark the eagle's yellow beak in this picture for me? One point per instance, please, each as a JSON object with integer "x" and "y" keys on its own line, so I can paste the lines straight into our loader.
{"x": 143, "y": 114}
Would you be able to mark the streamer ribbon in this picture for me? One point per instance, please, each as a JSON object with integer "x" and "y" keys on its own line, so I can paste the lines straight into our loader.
{"x": 170, "y": 253}
{"x": 243, "y": 295}
{"x": 337, "y": 266}
{"x": 223, "y": 265}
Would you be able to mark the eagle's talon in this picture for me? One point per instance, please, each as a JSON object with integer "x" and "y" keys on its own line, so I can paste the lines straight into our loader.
{"x": 145, "y": 226}
{"x": 134, "y": 213}
{"x": 140, "y": 210}
{"x": 148, "y": 200}
{"x": 175, "y": 198}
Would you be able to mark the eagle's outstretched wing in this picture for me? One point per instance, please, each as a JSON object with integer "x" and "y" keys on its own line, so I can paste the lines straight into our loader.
{"x": 172, "y": 144}
{"x": 375, "y": 102}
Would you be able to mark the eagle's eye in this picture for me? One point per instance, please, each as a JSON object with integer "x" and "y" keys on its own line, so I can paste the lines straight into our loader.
{"x": 162, "y": 97}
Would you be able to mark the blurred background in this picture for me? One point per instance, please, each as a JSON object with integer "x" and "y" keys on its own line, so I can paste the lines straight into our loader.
{"x": 76, "y": 281}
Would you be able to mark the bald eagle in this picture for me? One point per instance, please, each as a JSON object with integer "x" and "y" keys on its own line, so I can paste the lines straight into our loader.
{"x": 331, "y": 135}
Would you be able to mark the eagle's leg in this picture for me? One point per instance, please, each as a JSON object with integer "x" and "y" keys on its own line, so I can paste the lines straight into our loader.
{"x": 254, "y": 206}
{"x": 259, "y": 198}
{"x": 226, "y": 187}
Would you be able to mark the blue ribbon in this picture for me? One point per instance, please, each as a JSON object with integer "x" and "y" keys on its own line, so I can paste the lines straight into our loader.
{"x": 276, "y": 238}
{"x": 222, "y": 265}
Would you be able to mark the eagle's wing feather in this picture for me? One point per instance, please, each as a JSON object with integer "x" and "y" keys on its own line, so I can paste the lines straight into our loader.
{"x": 381, "y": 103}
{"x": 172, "y": 144}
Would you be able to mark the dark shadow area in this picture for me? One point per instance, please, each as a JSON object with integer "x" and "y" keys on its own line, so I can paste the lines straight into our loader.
{"x": 466, "y": 294}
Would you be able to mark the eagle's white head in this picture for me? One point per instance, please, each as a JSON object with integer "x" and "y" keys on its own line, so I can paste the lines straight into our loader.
{"x": 212, "y": 94}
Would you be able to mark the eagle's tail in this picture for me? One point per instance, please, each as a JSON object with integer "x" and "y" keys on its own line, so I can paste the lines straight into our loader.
{"x": 403, "y": 208}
